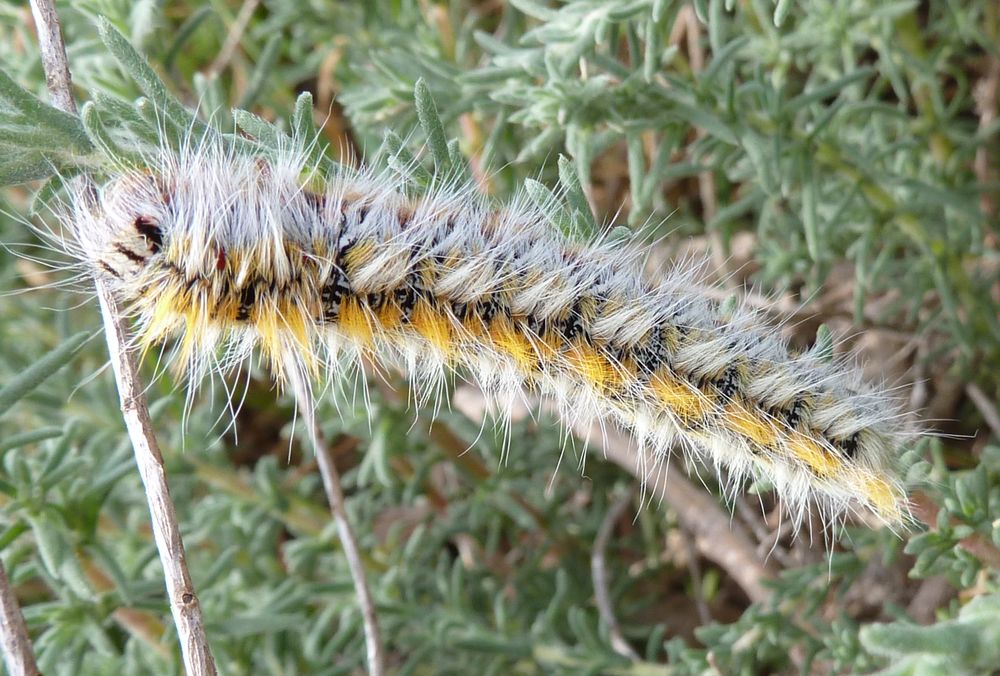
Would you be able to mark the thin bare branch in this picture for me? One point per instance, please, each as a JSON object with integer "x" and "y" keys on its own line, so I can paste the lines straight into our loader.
{"x": 716, "y": 535}
{"x": 599, "y": 574}
{"x": 233, "y": 38}
{"x": 706, "y": 178}
{"x": 986, "y": 95}
{"x": 53, "y": 52}
{"x": 184, "y": 605}
{"x": 335, "y": 497}
{"x": 696, "y": 578}
{"x": 17, "y": 652}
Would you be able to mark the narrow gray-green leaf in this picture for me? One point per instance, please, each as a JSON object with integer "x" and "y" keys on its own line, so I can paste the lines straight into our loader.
{"x": 102, "y": 139}
{"x": 569, "y": 177}
{"x": 302, "y": 118}
{"x": 781, "y": 11}
{"x": 33, "y": 376}
{"x": 430, "y": 121}
{"x": 140, "y": 71}
{"x": 26, "y": 438}
{"x": 33, "y": 110}
{"x": 18, "y": 166}
{"x": 258, "y": 128}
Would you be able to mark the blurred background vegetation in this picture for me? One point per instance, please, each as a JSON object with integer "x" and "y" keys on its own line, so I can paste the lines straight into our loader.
{"x": 835, "y": 160}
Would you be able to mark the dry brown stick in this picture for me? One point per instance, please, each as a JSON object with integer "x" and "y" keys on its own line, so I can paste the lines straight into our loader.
{"x": 233, "y": 38}
{"x": 767, "y": 539}
{"x": 696, "y": 578}
{"x": 184, "y": 604}
{"x": 17, "y": 652}
{"x": 599, "y": 574}
{"x": 706, "y": 178}
{"x": 352, "y": 552}
{"x": 985, "y": 94}
{"x": 718, "y": 538}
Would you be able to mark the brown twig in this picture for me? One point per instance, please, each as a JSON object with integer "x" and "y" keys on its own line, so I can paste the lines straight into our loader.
{"x": 934, "y": 593}
{"x": 986, "y": 94}
{"x": 717, "y": 537}
{"x": 17, "y": 652}
{"x": 53, "y": 53}
{"x": 706, "y": 178}
{"x": 352, "y": 552}
{"x": 767, "y": 538}
{"x": 233, "y": 38}
{"x": 696, "y": 578}
{"x": 599, "y": 574}
{"x": 184, "y": 605}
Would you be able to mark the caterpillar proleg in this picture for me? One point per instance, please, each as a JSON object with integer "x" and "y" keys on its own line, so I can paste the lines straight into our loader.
{"x": 228, "y": 253}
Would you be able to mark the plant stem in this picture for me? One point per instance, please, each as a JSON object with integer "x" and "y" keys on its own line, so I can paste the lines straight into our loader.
{"x": 335, "y": 497}
{"x": 184, "y": 606}
{"x": 14, "y": 639}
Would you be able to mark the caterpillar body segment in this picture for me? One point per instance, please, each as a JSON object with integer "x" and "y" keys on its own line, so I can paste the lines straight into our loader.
{"x": 228, "y": 253}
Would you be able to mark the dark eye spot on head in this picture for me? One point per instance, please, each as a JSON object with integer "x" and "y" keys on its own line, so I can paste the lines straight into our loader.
{"x": 148, "y": 229}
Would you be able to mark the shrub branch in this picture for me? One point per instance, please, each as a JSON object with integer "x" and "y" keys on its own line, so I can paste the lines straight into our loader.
{"x": 184, "y": 604}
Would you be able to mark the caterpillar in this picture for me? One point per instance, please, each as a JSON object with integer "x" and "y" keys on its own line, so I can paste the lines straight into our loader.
{"x": 231, "y": 255}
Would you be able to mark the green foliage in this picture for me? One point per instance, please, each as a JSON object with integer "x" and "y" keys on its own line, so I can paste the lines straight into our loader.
{"x": 968, "y": 644}
{"x": 35, "y": 138}
{"x": 28, "y": 380}
{"x": 841, "y": 137}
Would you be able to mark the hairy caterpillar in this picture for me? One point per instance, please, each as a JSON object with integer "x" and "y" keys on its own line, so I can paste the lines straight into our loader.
{"x": 229, "y": 252}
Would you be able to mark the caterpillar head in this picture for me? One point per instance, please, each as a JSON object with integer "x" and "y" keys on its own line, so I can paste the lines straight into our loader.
{"x": 124, "y": 230}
